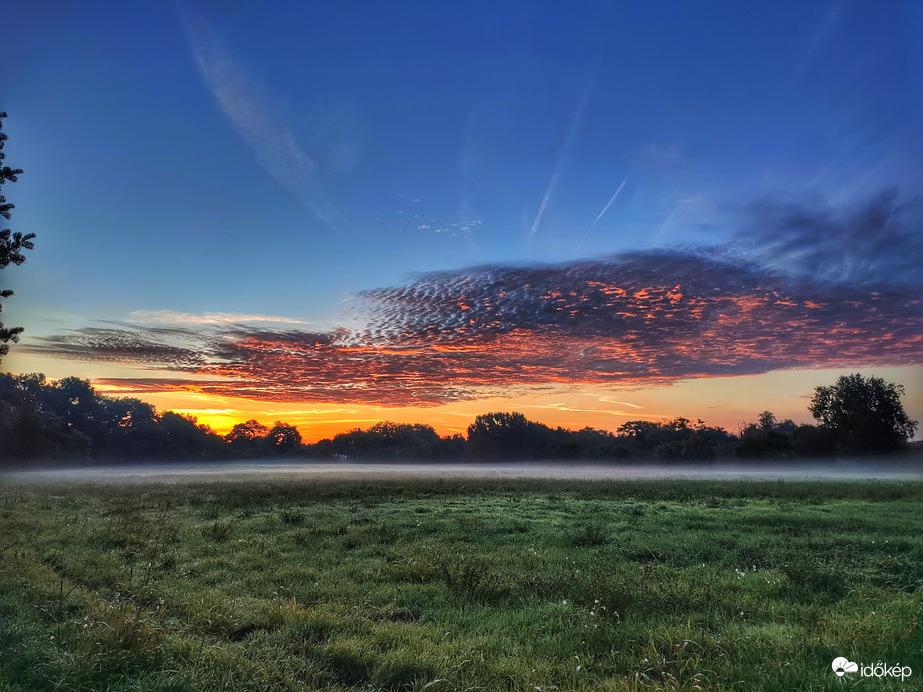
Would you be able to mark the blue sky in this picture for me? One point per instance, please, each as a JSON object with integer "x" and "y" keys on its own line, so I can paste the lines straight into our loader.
{"x": 186, "y": 162}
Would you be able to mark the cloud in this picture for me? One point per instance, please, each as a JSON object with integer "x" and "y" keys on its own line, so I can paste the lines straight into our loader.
{"x": 458, "y": 229}
{"x": 139, "y": 347}
{"x": 141, "y": 386}
{"x": 634, "y": 319}
{"x": 565, "y": 149}
{"x": 828, "y": 21}
{"x": 876, "y": 243}
{"x": 173, "y": 317}
{"x": 665, "y": 155}
{"x": 273, "y": 144}
{"x": 651, "y": 315}
{"x": 612, "y": 199}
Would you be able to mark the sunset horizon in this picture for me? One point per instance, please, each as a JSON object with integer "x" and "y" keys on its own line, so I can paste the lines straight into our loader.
{"x": 588, "y": 232}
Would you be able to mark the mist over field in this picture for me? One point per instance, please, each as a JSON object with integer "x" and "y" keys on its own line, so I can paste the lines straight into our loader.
{"x": 255, "y": 470}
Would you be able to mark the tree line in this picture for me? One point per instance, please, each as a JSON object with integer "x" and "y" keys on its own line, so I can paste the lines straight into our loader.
{"x": 68, "y": 421}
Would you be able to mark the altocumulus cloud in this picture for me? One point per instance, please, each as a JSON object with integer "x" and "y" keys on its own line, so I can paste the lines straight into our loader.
{"x": 815, "y": 291}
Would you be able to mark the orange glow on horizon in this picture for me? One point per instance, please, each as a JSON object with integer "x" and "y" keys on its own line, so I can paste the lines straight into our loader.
{"x": 728, "y": 402}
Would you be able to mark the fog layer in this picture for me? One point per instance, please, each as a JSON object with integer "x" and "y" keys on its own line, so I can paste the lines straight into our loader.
{"x": 256, "y": 471}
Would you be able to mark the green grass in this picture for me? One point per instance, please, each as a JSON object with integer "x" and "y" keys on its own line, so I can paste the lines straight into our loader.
{"x": 459, "y": 586}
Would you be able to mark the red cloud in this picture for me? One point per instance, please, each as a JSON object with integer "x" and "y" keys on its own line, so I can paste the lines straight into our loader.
{"x": 643, "y": 318}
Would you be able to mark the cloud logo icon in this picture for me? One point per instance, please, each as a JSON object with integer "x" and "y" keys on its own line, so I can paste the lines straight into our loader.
{"x": 842, "y": 665}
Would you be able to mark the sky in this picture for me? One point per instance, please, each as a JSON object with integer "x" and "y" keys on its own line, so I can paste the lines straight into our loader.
{"x": 339, "y": 213}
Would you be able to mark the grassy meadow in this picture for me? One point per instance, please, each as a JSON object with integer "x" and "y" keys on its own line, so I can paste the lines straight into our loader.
{"x": 510, "y": 585}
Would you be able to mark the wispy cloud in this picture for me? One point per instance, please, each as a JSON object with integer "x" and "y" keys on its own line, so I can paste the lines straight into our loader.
{"x": 615, "y": 195}
{"x": 458, "y": 229}
{"x": 611, "y": 200}
{"x": 877, "y": 242}
{"x": 173, "y": 317}
{"x": 826, "y": 25}
{"x": 273, "y": 144}
{"x": 565, "y": 150}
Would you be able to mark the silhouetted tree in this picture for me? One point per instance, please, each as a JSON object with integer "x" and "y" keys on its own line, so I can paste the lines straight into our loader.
{"x": 248, "y": 438}
{"x": 75, "y": 401}
{"x": 30, "y": 426}
{"x": 284, "y": 437}
{"x": 131, "y": 426}
{"x": 180, "y": 437}
{"x": 505, "y": 436}
{"x": 11, "y": 244}
{"x": 767, "y": 439}
{"x": 127, "y": 414}
{"x": 674, "y": 440}
{"x": 643, "y": 434}
{"x": 450, "y": 448}
{"x": 767, "y": 421}
{"x": 591, "y": 443}
{"x": 813, "y": 441}
{"x": 250, "y": 430}
{"x": 864, "y": 414}
{"x": 391, "y": 441}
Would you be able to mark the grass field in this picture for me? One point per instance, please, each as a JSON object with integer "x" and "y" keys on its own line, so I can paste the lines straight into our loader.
{"x": 516, "y": 585}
